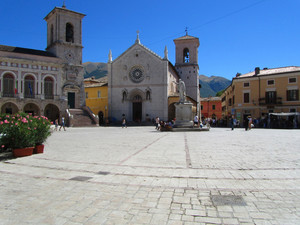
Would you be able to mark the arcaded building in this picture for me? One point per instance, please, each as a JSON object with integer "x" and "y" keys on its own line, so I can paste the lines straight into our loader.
{"x": 45, "y": 82}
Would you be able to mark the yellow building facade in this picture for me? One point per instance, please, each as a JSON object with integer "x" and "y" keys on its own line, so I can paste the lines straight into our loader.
{"x": 96, "y": 97}
{"x": 261, "y": 92}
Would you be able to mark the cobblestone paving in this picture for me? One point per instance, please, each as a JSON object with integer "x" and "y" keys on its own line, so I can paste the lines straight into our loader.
{"x": 140, "y": 176}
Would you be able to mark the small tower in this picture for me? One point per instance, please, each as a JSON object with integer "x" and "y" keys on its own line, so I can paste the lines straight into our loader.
{"x": 64, "y": 39}
{"x": 187, "y": 64}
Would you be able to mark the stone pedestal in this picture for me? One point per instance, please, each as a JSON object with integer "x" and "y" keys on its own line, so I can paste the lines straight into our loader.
{"x": 184, "y": 115}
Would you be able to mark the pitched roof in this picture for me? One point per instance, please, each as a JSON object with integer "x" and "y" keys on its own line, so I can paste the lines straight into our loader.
{"x": 186, "y": 37}
{"x": 265, "y": 72}
{"x": 29, "y": 51}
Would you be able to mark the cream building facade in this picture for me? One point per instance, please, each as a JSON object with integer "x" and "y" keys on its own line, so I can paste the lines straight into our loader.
{"x": 261, "y": 92}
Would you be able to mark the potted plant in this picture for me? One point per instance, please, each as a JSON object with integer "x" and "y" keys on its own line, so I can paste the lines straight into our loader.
{"x": 18, "y": 133}
{"x": 42, "y": 131}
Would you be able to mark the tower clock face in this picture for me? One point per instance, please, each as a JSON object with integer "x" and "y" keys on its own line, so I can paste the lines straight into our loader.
{"x": 136, "y": 74}
{"x": 69, "y": 56}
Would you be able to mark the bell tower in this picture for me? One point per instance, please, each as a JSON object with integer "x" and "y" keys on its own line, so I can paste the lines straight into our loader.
{"x": 64, "y": 39}
{"x": 187, "y": 64}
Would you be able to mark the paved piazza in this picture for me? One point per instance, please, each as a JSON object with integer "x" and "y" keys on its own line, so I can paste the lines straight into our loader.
{"x": 110, "y": 175}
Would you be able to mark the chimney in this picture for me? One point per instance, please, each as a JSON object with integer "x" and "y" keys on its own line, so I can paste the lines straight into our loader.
{"x": 257, "y": 70}
{"x": 237, "y": 75}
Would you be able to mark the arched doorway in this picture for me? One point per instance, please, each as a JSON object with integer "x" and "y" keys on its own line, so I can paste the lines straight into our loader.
{"x": 32, "y": 108}
{"x": 51, "y": 112}
{"x": 9, "y": 108}
{"x": 137, "y": 108}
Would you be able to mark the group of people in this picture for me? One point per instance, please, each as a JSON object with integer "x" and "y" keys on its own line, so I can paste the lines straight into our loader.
{"x": 163, "y": 125}
{"x": 62, "y": 124}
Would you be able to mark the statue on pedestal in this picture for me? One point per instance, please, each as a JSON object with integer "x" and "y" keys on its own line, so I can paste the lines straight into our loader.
{"x": 182, "y": 91}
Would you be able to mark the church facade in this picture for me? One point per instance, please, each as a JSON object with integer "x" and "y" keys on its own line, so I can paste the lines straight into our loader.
{"x": 142, "y": 85}
{"x": 45, "y": 82}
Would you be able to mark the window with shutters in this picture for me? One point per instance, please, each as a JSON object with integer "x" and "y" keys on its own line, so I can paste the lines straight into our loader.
{"x": 48, "y": 88}
{"x": 8, "y": 85}
{"x": 29, "y": 87}
{"x": 271, "y": 97}
{"x": 292, "y": 95}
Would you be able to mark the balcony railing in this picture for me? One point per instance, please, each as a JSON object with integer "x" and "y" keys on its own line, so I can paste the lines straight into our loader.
{"x": 270, "y": 101}
{"x": 49, "y": 96}
{"x": 9, "y": 95}
{"x": 29, "y": 96}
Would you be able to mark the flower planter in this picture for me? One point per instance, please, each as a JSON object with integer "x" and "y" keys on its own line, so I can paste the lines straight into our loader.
{"x": 38, "y": 149}
{"x": 21, "y": 152}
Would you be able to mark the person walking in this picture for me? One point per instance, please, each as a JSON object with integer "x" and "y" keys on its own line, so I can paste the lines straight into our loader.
{"x": 157, "y": 123}
{"x": 62, "y": 124}
{"x": 232, "y": 122}
{"x": 56, "y": 124}
{"x": 196, "y": 121}
{"x": 124, "y": 123}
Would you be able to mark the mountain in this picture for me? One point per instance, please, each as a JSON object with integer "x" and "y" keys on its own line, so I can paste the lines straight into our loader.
{"x": 96, "y": 70}
{"x": 211, "y": 85}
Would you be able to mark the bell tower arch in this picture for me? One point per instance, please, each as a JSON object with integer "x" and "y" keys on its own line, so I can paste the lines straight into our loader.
{"x": 187, "y": 64}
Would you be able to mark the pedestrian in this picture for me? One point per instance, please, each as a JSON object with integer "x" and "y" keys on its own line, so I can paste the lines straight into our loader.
{"x": 56, "y": 124}
{"x": 196, "y": 121}
{"x": 157, "y": 123}
{"x": 124, "y": 123}
{"x": 62, "y": 124}
{"x": 232, "y": 122}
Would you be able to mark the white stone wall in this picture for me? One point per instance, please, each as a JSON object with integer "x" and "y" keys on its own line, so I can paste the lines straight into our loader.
{"x": 155, "y": 80}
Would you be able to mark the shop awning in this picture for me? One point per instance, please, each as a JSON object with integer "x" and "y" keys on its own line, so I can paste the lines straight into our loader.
{"x": 285, "y": 114}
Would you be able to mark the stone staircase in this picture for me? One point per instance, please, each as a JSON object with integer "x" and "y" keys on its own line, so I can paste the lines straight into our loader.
{"x": 80, "y": 118}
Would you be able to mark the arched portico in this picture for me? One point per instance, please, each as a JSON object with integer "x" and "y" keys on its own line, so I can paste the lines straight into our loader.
{"x": 51, "y": 111}
{"x": 9, "y": 108}
{"x": 32, "y": 108}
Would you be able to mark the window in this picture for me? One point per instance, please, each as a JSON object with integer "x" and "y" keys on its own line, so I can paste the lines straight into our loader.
{"x": 69, "y": 33}
{"x": 233, "y": 100}
{"x": 293, "y": 110}
{"x": 29, "y": 87}
{"x": 246, "y": 97}
{"x": 213, "y": 107}
{"x": 99, "y": 94}
{"x": 201, "y": 107}
{"x": 271, "y": 82}
{"x": 229, "y": 102}
{"x": 292, "y": 80}
{"x": 48, "y": 88}
{"x": 271, "y": 97}
{"x": 186, "y": 55}
{"x": 246, "y": 84}
{"x": 292, "y": 95}
{"x": 51, "y": 34}
{"x": 8, "y": 85}
{"x": 86, "y": 95}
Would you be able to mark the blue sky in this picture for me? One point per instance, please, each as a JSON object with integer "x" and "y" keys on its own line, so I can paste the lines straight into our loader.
{"x": 235, "y": 35}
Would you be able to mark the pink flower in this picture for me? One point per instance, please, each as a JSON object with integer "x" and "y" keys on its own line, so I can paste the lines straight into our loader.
{"x": 29, "y": 128}
{"x": 2, "y": 146}
{"x": 16, "y": 124}
{"x": 24, "y": 120}
{"x": 5, "y": 121}
{"x": 1, "y": 122}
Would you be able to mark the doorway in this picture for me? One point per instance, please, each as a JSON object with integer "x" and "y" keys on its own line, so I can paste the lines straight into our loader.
{"x": 71, "y": 100}
{"x": 137, "y": 108}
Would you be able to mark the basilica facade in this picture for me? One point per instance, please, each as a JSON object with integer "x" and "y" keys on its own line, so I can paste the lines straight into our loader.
{"x": 142, "y": 85}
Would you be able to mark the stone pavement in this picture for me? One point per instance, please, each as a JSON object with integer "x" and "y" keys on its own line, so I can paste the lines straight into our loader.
{"x": 136, "y": 175}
